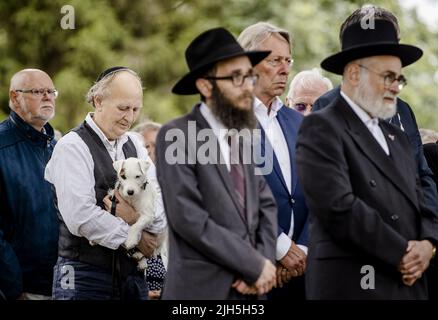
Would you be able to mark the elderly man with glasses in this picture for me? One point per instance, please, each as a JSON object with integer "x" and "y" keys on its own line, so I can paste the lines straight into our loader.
{"x": 28, "y": 221}
{"x": 279, "y": 126}
{"x": 372, "y": 235}
{"x": 305, "y": 88}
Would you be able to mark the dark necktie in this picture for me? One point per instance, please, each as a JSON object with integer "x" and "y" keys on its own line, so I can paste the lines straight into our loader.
{"x": 237, "y": 176}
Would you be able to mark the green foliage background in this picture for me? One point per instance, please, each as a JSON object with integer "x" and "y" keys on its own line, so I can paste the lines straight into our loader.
{"x": 150, "y": 36}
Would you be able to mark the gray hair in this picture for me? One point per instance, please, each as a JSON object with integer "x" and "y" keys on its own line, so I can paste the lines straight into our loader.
{"x": 146, "y": 126}
{"x": 365, "y": 12}
{"x": 252, "y": 36}
{"x": 428, "y": 135}
{"x": 306, "y": 79}
{"x": 100, "y": 88}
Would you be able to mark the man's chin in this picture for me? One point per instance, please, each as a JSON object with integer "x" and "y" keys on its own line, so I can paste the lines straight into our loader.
{"x": 387, "y": 111}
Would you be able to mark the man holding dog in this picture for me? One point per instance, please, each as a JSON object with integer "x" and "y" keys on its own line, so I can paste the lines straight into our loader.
{"x": 82, "y": 172}
{"x": 372, "y": 235}
{"x": 222, "y": 217}
{"x": 28, "y": 222}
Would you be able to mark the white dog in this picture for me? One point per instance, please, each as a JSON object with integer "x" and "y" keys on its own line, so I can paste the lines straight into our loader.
{"x": 139, "y": 192}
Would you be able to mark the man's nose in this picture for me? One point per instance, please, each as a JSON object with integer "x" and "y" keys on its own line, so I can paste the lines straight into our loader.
{"x": 395, "y": 87}
{"x": 129, "y": 115}
{"x": 285, "y": 68}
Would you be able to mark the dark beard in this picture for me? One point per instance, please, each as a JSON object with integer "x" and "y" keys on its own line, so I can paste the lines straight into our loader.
{"x": 231, "y": 116}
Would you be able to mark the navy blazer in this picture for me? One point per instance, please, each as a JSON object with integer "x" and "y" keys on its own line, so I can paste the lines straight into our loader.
{"x": 290, "y": 121}
{"x": 405, "y": 120}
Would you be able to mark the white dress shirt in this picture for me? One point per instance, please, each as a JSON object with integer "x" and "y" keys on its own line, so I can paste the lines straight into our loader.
{"x": 371, "y": 123}
{"x": 220, "y": 131}
{"x": 71, "y": 171}
{"x": 276, "y": 138}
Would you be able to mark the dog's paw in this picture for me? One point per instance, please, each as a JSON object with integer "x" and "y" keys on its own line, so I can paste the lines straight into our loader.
{"x": 132, "y": 240}
{"x": 142, "y": 264}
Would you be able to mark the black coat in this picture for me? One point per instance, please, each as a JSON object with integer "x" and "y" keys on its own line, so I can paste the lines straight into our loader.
{"x": 364, "y": 206}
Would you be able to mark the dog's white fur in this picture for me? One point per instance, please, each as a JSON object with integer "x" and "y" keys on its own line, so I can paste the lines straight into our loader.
{"x": 140, "y": 193}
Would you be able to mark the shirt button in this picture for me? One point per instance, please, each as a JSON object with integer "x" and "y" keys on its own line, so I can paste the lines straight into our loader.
{"x": 394, "y": 217}
{"x": 373, "y": 183}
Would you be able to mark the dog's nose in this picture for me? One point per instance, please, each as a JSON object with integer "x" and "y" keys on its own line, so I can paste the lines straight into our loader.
{"x": 130, "y": 192}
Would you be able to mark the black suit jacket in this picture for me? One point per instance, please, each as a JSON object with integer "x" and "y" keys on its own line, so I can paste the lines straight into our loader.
{"x": 364, "y": 206}
{"x": 210, "y": 243}
{"x": 404, "y": 119}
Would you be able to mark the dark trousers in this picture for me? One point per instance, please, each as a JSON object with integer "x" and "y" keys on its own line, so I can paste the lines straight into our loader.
{"x": 74, "y": 280}
{"x": 293, "y": 290}
{"x": 432, "y": 279}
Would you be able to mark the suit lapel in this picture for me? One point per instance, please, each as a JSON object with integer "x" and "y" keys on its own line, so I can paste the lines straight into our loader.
{"x": 372, "y": 149}
{"x": 290, "y": 133}
{"x": 266, "y": 145}
{"x": 398, "y": 156}
{"x": 219, "y": 162}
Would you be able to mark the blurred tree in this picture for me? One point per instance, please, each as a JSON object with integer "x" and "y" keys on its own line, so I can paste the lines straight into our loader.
{"x": 150, "y": 36}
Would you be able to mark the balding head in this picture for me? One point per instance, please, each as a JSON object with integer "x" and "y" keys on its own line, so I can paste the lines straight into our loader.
{"x": 117, "y": 99}
{"x": 34, "y": 108}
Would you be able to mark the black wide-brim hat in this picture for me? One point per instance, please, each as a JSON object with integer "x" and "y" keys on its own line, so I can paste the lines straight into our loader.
{"x": 205, "y": 51}
{"x": 360, "y": 41}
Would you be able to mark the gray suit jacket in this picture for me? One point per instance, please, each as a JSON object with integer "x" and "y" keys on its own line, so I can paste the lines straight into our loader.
{"x": 211, "y": 244}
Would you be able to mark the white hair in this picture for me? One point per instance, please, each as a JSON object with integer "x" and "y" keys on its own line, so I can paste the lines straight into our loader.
{"x": 306, "y": 79}
{"x": 428, "y": 136}
{"x": 99, "y": 89}
{"x": 147, "y": 126}
{"x": 252, "y": 36}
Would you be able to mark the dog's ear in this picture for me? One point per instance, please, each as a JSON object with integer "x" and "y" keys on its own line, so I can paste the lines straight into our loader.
{"x": 144, "y": 166}
{"x": 118, "y": 165}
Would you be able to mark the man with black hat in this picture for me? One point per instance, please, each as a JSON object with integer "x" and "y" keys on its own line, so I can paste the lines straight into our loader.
{"x": 404, "y": 118}
{"x": 81, "y": 172}
{"x": 222, "y": 216}
{"x": 372, "y": 237}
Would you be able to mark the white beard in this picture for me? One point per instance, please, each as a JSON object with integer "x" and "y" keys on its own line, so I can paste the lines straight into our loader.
{"x": 374, "y": 105}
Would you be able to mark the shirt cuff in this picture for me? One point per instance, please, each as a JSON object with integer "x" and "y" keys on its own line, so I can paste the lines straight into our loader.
{"x": 283, "y": 245}
{"x": 304, "y": 248}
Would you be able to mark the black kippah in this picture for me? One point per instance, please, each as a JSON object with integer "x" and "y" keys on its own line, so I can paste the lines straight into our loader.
{"x": 108, "y": 71}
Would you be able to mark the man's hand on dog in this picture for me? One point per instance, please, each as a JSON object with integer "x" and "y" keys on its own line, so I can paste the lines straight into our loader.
{"x": 123, "y": 209}
{"x": 148, "y": 243}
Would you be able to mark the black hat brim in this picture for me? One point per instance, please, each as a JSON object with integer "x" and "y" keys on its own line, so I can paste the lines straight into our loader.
{"x": 408, "y": 54}
{"x": 187, "y": 84}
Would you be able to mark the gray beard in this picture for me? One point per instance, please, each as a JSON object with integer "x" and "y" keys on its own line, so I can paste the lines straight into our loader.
{"x": 373, "y": 105}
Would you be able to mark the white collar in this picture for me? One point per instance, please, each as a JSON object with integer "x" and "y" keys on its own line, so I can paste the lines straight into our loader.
{"x": 262, "y": 111}
{"x": 218, "y": 127}
{"x": 120, "y": 140}
{"x": 363, "y": 116}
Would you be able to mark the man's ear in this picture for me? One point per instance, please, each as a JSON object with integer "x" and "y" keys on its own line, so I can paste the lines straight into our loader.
{"x": 204, "y": 86}
{"x": 13, "y": 98}
{"x": 118, "y": 165}
{"x": 353, "y": 74}
{"x": 97, "y": 102}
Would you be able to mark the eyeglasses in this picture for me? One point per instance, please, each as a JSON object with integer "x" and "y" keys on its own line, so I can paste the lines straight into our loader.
{"x": 389, "y": 78}
{"x": 238, "y": 79}
{"x": 276, "y": 61}
{"x": 301, "y": 106}
{"x": 40, "y": 92}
